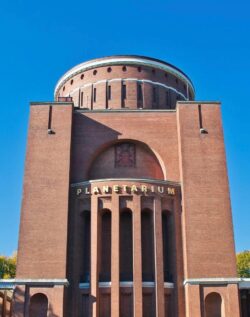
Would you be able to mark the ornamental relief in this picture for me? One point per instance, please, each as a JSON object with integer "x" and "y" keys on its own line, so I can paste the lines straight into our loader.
{"x": 125, "y": 155}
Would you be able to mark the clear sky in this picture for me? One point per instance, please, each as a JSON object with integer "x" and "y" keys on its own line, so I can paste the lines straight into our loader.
{"x": 40, "y": 40}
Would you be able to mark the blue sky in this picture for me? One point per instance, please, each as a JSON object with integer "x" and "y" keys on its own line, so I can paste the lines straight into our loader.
{"x": 40, "y": 40}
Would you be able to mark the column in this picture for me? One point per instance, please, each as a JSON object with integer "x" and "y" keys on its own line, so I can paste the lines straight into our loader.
{"x": 158, "y": 249}
{"x": 94, "y": 258}
{"x": 179, "y": 290}
{"x": 115, "y": 274}
{"x": 137, "y": 257}
{"x": 193, "y": 300}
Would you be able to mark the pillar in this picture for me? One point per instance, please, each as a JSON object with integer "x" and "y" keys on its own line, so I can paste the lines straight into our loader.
{"x": 94, "y": 258}
{"x": 115, "y": 271}
{"x": 137, "y": 257}
{"x": 158, "y": 249}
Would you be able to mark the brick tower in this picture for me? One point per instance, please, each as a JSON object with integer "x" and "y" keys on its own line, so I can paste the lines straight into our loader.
{"x": 126, "y": 207}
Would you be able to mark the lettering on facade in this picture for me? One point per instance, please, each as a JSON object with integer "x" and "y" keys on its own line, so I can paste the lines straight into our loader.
{"x": 126, "y": 189}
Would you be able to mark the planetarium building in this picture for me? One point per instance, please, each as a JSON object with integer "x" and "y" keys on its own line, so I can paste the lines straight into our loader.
{"x": 126, "y": 208}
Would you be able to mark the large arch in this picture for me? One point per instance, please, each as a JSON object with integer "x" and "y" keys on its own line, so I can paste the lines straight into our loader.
{"x": 38, "y": 305}
{"x": 213, "y": 305}
{"x": 126, "y": 159}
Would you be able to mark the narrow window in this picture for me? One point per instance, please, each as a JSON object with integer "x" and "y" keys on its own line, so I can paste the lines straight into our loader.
{"x": 109, "y": 92}
{"x": 94, "y": 97}
{"x": 126, "y": 246}
{"x": 168, "y": 245}
{"x": 154, "y": 95}
{"x": 147, "y": 241}
{"x": 86, "y": 247}
{"x": 81, "y": 103}
{"x": 168, "y": 101}
{"x": 105, "y": 267}
{"x": 124, "y": 91}
{"x": 139, "y": 92}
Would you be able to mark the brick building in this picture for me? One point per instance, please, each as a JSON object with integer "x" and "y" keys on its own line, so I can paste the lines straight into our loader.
{"x": 126, "y": 207}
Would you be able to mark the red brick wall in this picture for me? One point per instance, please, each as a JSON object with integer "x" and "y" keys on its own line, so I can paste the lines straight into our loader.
{"x": 43, "y": 228}
{"x": 207, "y": 222}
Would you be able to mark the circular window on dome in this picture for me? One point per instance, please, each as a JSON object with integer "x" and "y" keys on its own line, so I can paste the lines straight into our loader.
{"x": 109, "y": 69}
{"x": 82, "y": 76}
{"x": 95, "y": 72}
{"x": 139, "y": 69}
{"x": 124, "y": 68}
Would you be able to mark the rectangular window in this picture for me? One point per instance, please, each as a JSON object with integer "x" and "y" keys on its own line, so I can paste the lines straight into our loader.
{"x": 154, "y": 95}
{"x": 109, "y": 92}
{"x": 94, "y": 95}
{"x": 124, "y": 91}
{"x": 139, "y": 92}
{"x": 168, "y": 105}
{"x": 81, "y": 101}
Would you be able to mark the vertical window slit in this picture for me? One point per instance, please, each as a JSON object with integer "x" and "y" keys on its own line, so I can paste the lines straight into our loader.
{"x": 200, "y": 117}
{"x": 50, "y": 117}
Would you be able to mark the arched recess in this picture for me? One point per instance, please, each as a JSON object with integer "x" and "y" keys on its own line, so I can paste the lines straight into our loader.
{"x": 126, "y": 245}
{"x": 105, "y": 246}
{"x": 38, "y": 305}
{"x": 213, "y": 305}
{"x": 126, "y": 159}
{"x": 86, "y": 246}
{"x": 147, "y": 241}
{"x": 168, "y": 245}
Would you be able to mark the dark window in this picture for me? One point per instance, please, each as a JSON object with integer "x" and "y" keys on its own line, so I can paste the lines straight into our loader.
{"x": 109, "y": 93}
{"x": 139, "y": 69}
{"x": 168, "y": 245}
{"x": 124, "y": 91}
{"x": 71, "y": 82}
{"x": 95, "y": 72}
{"x": 139, "y": 91}
{"x": 81, "y": 101}
{"x": 176, "y": 80}
{"x": 94, "y": 95}
{"x": 82, "y": 76}
{"x": 124, "y": 68}
{"x": 109, "y": 69}
{"x": 147, "y": 241}
{"x": 126, "y": 246}
{"x": 105, "y": 267}
{"x": 63, "y": 88}
{"x": 168, "y": 105}
{"x": 154, "y": 94}
{"x": 86, "y": 246}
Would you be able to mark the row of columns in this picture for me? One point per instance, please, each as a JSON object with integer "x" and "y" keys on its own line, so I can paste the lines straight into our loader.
{"x": 137, "y": 258}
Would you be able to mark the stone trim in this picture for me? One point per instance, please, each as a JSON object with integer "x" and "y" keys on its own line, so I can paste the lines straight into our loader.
{"x": 125, "y": 284}
{"x": 216, "y": 280}
{"x": 155, "y": 83}
{"x": 33, "y": 282}
{"x": 138, "y": 180}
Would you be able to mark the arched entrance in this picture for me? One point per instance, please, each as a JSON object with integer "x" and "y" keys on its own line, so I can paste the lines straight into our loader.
{"x": 38, "y": 305}
{"x": 213, "y": 305}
